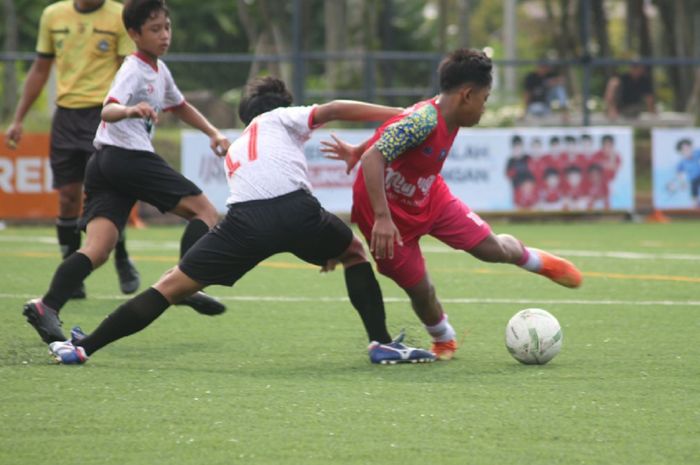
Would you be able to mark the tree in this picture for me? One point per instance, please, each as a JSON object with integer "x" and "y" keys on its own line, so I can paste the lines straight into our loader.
{"x": 9, "y": 78}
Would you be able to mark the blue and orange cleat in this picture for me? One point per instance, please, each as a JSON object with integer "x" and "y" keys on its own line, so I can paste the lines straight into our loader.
{"x": 65, "y": 353}
{"x": 397, "y": 352}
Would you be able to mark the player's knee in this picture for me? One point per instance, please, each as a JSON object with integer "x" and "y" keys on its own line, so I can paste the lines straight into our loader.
{"x": 97, "y": 256}
{"x": 354, "y": 254}
{"x": 208, "y": 214}
{"x": 68, "y": 204}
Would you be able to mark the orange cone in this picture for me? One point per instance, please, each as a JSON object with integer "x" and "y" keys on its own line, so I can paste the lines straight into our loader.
{"x": 658, "y": 217}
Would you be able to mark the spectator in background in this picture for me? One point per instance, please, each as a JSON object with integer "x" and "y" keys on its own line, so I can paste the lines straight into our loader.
{"x": 630, "y": 93}
{"x": 544, "y": 91}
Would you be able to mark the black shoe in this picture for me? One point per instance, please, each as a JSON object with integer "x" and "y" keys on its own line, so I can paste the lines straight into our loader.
{"x": 45, "y": 321}
{"x": 204, "y": 304}
{"x": 79, "y": 293}
{"x": 129, "y": 278}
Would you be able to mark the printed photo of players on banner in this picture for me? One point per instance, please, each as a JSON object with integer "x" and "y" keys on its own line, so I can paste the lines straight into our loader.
{"x": 553, "y": 169}
{"x": 676, "y": 168}
{"x": 492, "y": 170}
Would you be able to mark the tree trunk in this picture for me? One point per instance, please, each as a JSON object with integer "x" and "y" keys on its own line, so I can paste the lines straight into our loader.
{"x": 386, "y": 42}
{"x": 442, "y": 26}
{"x": 463, "y": 12}
{"x": 334, "y": 23}
{"x": 668, "y": 19}
{"x": 600, "y": 22}
{"x": 9, "y": 77}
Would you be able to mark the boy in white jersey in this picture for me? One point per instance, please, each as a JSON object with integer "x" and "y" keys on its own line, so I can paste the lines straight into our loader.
{"x": 271, "y": 210}
{"x": 125, "y": 168}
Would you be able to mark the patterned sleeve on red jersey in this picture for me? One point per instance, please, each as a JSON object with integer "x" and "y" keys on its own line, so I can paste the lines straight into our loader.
{"x": 407, "y": 133}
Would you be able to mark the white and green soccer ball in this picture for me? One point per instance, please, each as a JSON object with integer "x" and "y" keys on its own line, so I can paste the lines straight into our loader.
{"x": 533, "y": 336}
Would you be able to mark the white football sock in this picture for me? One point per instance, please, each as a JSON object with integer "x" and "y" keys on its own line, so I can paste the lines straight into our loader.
{"x": 442, "y": 331}
{"x": 531, "y": 260}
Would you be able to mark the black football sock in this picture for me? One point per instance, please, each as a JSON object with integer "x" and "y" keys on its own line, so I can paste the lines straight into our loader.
{"x": 66, "y": 279}
{"x": 120, "y": 252}
{"x": 68, "y": 235}
{"x": 366, "y": 296}
{"x": 129, "y": 318}
{"x": 194, "y": 230}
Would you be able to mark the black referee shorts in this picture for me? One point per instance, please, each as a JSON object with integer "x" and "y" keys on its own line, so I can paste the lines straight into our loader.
{"x": 116, "y": 178}
{"x": 253, "y": 231}
{"x": 72, "y": 133}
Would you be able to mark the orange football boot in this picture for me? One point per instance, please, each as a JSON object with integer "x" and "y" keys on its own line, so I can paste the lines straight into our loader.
{"x": 559, "y": 270}
{"x": 444, "y": 350}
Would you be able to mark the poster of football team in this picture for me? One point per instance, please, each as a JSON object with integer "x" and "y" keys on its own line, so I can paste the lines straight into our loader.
{"x": 492, "y": 170}
{"x": 676, "y": 168}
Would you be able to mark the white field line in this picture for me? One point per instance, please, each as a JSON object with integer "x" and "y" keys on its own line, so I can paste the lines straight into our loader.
{"x": 438, "y": 249}
{"x": 457, "y": 300}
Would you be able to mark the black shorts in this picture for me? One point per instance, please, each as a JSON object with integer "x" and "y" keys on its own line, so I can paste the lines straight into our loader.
{"x": 695, "y": 187}
{"x": 116, "y": 178}
{"x": 72, "y": 133}
{"x": 253, "y": 231}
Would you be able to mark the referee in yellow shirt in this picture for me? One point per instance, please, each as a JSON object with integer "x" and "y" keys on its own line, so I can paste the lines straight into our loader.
{"x": 87, "y": 41}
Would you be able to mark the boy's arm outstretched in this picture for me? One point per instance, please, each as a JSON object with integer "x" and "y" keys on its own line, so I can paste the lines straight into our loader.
{"x": 351, "y": 110}
{"x": 190, "y": 115}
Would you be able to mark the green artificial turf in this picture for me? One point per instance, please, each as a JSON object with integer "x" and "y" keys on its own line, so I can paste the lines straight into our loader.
{"x": 283, "y": 377}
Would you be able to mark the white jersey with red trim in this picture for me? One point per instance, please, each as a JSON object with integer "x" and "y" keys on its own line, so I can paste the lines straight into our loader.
{"x": 268, "y": 159}
{"x": 138, "y": 81}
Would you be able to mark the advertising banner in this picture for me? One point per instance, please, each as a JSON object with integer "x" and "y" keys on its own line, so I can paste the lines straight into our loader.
{"x": 492, "y": 170}
{"x": 25, "y": 179}
{"x": 675, "y": 166}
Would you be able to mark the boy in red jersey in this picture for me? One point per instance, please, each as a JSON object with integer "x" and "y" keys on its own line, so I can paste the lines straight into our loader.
{"x": 400, "y": 196}
{"x": 608, "y": 158}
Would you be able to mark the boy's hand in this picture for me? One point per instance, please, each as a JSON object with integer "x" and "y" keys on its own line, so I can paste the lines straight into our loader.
{"x": 13, "y": 135}
{"x": 219, "y": 144}
{"x": 384, "y": 234}
{"x": 142, "y": 110}
{"x": 330, "y": 265}
{"x": 341, "y": 150}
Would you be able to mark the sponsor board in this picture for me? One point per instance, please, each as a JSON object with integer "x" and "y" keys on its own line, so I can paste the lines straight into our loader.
{"x": 495, "y": 170}
{"x": 25, "y": 179}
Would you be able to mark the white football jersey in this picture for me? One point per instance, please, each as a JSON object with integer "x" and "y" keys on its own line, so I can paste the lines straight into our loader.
{"x": 268, "y": 159}
{"x": 138, "y": 81}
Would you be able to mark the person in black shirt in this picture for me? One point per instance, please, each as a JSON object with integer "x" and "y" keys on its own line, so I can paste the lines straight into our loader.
{"x": 544, "y": 91}
{"x": 630, "y": 93}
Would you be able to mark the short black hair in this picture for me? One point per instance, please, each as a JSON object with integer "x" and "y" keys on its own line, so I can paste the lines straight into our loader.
{"x": 516, "y": 140}
{"x": 608, "y": 138}
{"x": 681, "y": 143}
{"x": 553, "y": 140}
{"x": 551, "y": 172}
{"x": 464, "y": 66}
{"x": 137, "y": 12}
{"x": 263, "y": 95}
{"x": 522, "y": 179}
{"x": 595, "y": 167}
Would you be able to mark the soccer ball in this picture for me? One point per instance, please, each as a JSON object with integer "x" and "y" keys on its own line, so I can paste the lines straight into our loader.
{"x": 533, "y": 336}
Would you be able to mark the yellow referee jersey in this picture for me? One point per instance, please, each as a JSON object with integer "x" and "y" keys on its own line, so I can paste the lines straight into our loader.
{"x": 86, "y": 47}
